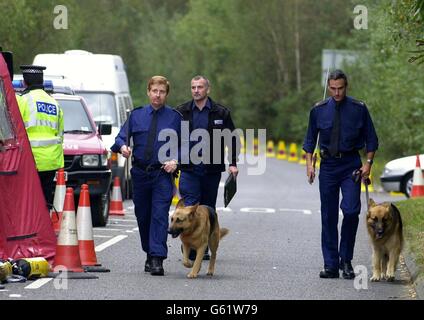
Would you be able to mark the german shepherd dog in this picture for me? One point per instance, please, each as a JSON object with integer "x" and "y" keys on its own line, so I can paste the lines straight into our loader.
{"x": 384, "y": 226}
{"x": 197, "y": 227}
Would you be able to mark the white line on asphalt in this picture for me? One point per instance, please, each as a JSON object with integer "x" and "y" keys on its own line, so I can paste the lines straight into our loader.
{"x": 101, "y": 236}
{"x": 135, "y": 229}
{"x": 224, "y": 209}
{"x": 110, "y": 242}
{"x": 15, "y": 295}
{"x": 38, "y": 283}
{"x": 258, "y": 210}
{"x": 120, "y": 225}
{"x": 297, "y": 210}
{"x": 129, "y": 231}
{"x": 106, "y": 229}
{"x": 129, "y": 220}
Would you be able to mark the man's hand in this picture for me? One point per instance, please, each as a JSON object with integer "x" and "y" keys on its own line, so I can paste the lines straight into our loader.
{"x": 170, "y": 166}
{"x": 365, "y": 171}
{"x": 310, "y": 172}
{"x": 233, "y": 170}
{"x": 125, "y": 151}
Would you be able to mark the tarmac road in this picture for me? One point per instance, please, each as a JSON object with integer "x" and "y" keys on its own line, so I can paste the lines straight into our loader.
{"x": 272, "y": 253}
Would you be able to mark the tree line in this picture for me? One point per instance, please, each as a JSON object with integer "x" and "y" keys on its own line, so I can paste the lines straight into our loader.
{"x": 263, "y": 57}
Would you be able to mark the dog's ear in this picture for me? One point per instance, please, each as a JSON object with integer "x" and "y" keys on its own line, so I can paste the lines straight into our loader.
{"x": 372, "y": 203}
{"x": 180, "y": 203}
{"x": 193, "y": 209}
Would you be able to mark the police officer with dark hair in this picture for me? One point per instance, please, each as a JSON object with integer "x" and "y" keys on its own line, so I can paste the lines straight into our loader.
{"x": 344, "y": 127}
{"x": 152, "y": 175}
{"x": 44, "y": 123}
{"x": 199, "y": 180}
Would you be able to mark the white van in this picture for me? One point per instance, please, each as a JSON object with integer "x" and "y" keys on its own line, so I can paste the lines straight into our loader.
{"x": 102, "y": 80}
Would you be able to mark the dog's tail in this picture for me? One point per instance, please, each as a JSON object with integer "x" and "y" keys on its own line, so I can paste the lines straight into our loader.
{"x": 223, "y": 232}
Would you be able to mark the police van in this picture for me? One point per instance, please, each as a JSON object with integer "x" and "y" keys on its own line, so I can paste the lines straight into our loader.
{"x": 86, "y": 157}
{"x": 102, "y": 80}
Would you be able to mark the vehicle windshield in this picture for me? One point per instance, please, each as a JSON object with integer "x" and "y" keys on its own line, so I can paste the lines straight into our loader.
{"x": 75, "y": 117}
{"x": 101, "y": 106}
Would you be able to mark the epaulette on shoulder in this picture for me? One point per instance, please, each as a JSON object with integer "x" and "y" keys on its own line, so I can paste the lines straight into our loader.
{"x": 137, "y": 108}
{"x": 181, "y": 115}
{"x": 361, "y": 103}
{"x": 321, "y": 103}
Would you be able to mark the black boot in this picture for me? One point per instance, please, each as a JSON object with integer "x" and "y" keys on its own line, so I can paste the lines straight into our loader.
{"x": 156, "y": 268}
{"x": 148, "y": 263}
{"x": 347, "y": 269}
{"x": 328, "y": 273}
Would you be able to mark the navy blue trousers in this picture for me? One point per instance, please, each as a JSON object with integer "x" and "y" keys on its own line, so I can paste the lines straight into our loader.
{"x": 196, "y": 188}
{"x": 152, "y": 196}
{"x": 335, "y": 175}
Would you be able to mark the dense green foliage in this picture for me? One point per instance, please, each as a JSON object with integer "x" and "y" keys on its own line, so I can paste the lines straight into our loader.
{"x": 263, "y": 57}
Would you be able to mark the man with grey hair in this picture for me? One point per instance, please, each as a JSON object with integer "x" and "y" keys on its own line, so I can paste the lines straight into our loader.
{"x": 200, "y": 179}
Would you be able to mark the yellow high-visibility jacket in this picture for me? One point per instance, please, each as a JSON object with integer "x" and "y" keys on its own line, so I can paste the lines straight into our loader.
{"x": 43, "y": 119}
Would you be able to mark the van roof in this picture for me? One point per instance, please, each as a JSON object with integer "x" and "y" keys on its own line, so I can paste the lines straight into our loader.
{"x": 86, "y": 71}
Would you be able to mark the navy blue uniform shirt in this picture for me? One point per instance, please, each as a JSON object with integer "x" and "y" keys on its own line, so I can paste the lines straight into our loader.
{"x": 138, "y": 125}
{"x": 356, "y": 127}
{"x": 200, "y": 121}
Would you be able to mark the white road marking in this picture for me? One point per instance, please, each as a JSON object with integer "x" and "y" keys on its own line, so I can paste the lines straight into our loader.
{"x": 258, "y": 210}
{"x": 101, "y": 236}
{"x": 38, "y": 283}
{"x": 135, "y": 229}
{"x": 296, "y": 210}
{"x": 110, "y": 242}
{"x": 129, "y": 231}
{"x": 15, "y": 295}
{"x": 224, "y": 209}
{"x": 125, "y": 220}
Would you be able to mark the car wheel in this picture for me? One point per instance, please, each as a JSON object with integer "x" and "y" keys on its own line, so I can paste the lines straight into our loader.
{"x": 100, "y": 209}
{"x": 407, "y": 184}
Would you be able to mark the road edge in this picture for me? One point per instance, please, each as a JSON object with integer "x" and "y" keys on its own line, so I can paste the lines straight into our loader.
{"x": 416, "y": 277}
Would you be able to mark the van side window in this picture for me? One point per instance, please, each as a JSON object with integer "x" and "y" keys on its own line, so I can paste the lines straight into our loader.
{"x": 7, "y": 136}
{"x": 122, "y": 113}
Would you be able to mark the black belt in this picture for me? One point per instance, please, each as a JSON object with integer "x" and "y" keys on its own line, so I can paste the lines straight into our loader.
{"x": 326, "y": 155}
{"x": 147, "y": 167}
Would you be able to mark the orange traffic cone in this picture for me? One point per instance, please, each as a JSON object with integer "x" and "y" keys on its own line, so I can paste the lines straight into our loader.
{"x": 116, "y": 207}
{"x": 67, "y": 251}
{"x": 59, "y": 199}
{"x": 418, "y": 181}
{"x": 85, "y": 229}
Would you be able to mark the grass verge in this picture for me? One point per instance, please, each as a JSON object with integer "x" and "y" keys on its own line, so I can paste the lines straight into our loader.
{"x": 412, "y": 211}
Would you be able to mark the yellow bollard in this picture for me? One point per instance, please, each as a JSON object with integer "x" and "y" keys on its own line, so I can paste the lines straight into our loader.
{"x": 242, "y": 146}
{"x": 255, "y": 147}
{"x": 302, "y": 160}
{"x": 282, "y": 153}
{"x": 270, "y": 152}
{"x": 293, "y": 153}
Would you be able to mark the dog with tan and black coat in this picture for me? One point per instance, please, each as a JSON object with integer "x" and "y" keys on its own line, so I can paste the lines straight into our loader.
{"x": 198, "y": 227}
{"x": 384, "y": 225}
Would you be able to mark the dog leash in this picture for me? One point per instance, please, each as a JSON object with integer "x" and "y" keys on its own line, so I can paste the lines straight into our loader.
{"x": 356, "y": 176}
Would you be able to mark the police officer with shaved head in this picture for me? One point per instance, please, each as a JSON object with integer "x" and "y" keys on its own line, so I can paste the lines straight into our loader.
{"x": 344, "y": 127}
{"x": 43, "y": 120}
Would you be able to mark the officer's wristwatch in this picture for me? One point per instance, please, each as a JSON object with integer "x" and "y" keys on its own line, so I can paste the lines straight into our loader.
{"x": 370, "y": 161}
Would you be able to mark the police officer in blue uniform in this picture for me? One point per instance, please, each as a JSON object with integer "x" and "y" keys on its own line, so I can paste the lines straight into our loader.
{"x": 199, "y": 179}
{"x": 344, "y": 127}
{"x": 152, "y": 169}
